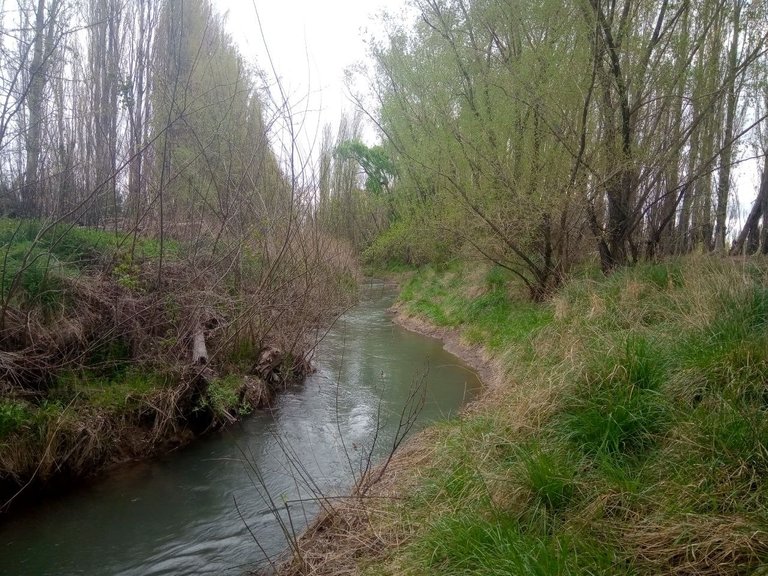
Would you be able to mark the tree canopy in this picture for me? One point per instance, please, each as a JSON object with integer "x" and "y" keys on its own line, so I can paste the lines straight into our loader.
{"x": 540, "y": 133}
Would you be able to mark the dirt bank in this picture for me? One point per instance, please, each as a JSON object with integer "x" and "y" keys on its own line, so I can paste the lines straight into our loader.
{"x": 86, "y": 439}
{"x": 474, "y": 355}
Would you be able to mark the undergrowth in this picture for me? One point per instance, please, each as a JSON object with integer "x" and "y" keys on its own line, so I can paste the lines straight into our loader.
{"x": 649, "y": 454}
{"x": 97, "y": 333}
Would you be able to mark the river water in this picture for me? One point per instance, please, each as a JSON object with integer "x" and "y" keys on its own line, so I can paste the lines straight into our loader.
{"x": 209, "y": 508}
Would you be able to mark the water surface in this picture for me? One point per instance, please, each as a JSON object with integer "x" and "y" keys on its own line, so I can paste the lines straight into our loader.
{"x": 197, "y": 510}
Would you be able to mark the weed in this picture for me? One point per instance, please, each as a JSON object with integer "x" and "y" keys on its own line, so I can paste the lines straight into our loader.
{"x": 128, "y": 275}
{"x": 13, "y": 416}
{"x": 550, "y": 474}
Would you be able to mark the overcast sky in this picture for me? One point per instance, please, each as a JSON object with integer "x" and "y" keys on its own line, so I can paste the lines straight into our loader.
{"x": 311, "y": 43}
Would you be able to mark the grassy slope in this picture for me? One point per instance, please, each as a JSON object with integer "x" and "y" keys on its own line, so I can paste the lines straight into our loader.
{"x": 631, "y": 438}
{"x": 94, "y": 362}
{"x": 38, "y": 272}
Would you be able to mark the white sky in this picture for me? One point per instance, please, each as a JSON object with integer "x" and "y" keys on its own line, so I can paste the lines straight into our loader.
{"x": 311, "y": 43}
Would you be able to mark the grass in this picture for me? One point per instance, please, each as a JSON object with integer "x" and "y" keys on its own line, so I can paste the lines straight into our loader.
{"x": 119, "y": 391}
{"x": 37, "y": 260}
{"x": 486, "y": 312}
{"x": 13, "y": 416}
{"x": 649, "y": 454}
{"x": 223, "y": 396}
{"x": 550, "y": 473}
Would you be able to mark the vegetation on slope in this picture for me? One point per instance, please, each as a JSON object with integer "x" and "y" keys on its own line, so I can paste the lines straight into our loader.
{"x": 97, "y": 334}
{"x": 629, "y": 436}
{"x": 633, "y": 439}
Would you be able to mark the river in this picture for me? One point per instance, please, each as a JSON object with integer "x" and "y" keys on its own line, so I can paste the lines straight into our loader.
{"x": 198, "y": 509}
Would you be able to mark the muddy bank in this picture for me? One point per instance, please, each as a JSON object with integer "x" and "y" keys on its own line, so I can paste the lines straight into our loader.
{"x": 86, "y": 439}
{"x": 474, "y": 355}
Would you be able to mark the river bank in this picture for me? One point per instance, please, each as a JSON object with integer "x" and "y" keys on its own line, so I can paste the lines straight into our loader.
{"x": 186, "y": 513}
{"x": 86, "y": 440}
{"x": 117, "y": 347}
{"x": 626, "y": 437}
{"x": 475, "y": 355}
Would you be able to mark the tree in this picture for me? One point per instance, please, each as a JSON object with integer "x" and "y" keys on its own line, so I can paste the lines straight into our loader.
{"x": 214, "y": 165}
{"x": 45, "y": 40}
{"x": 378, "y": 168}
{"x": 521, "y": 130}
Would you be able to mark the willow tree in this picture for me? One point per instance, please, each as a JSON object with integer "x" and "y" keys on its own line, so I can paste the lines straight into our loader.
{"x": 516, "y": 128}
{"x": 474, "y": 104}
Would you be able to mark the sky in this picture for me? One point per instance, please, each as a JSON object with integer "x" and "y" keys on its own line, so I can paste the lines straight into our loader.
{"x": 311, "y": 43}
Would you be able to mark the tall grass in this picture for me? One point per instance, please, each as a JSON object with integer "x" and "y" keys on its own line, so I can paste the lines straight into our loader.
{"x": 650, "y": 455}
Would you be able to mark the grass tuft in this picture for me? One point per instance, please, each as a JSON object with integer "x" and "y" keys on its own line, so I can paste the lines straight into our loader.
{"x": 550, "y": 474}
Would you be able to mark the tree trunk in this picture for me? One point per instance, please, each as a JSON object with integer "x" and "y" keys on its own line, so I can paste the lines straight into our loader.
{"x": 749, "y": 234}
{"x": 199, "y": 350}
{"x": 30, "y": 191}
{"x": 726, "y": 153}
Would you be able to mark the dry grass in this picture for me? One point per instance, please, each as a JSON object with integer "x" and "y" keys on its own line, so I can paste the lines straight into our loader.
{"x": 364, "y": 529}
{"x": 701, "y": 545}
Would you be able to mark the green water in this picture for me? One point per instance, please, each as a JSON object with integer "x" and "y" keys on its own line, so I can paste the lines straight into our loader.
{"x": 179, "y": 514}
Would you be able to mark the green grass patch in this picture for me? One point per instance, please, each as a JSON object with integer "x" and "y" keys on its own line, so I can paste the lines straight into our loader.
{"x": 618, "y": 408}
{"x": 633, "y": 437}
{"x": 37, "y": 259}
{"x": 223, "y": 397}
{"x": 125, "y": 389}
{"x": 550, "y": 473}
{"x": 469, "y": 543}
{"x": 13, "y": 416}
{"x": 26, "y": 418}
{"x": 487, "y": 314}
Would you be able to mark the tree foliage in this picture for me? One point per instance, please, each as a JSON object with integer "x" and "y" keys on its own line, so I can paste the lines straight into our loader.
{"x": 379, "y": 169}
{"x": 540, "y": 133}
